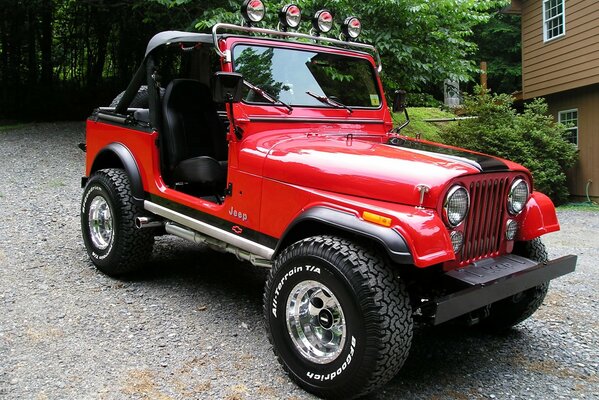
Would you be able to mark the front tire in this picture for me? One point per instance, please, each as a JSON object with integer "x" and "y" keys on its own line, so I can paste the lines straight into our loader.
{"x": 509, "y": 312}
{"x": 108, "y": 214}
{"x": 339, "y": 320}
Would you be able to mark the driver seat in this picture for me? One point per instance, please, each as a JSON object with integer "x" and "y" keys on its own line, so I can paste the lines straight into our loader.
{"x": 193, "y": 138}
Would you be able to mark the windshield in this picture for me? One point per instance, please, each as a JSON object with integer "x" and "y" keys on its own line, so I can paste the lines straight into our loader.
{"x": 288, "y": 74}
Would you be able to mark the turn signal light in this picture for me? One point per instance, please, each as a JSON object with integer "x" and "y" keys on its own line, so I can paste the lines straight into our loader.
{"x": 457, "y": 241}
{"x": 511, "y": 228}
{"x": 376, "y": 219}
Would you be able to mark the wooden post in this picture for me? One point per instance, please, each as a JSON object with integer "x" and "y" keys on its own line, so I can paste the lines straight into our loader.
{"x": 483, "y": 76}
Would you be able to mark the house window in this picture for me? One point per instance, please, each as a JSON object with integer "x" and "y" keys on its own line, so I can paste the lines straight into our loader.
{"x": 570, "y": 119}
{"x": 554, "y": 19}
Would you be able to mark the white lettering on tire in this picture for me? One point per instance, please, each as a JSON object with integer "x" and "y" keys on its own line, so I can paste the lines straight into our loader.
{"x": 332, "y": 375}
{"x": 309, "y": 268}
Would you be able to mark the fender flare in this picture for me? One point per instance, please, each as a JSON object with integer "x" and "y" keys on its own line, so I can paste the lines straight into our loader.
{"x": 391, "y": 240}
{"x": 107, "y": 154}
{"x": 540, "y": 217}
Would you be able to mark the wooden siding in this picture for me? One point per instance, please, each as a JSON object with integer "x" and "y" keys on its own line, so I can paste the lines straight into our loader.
{"x": 565, "y": 63}
{"x": 586, "y": 100}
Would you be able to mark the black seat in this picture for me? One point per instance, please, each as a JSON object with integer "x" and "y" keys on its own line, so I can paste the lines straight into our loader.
{"x": 193, "y": 138}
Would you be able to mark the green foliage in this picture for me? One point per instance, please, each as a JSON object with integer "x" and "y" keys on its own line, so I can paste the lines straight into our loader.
{"x": 499, "y": 44}
{"x": 586, "y": 206}
{"x": 420, "y": 41}
{"x": 418, "y": 124}
{"x": 423, "y": 100}
{"x": 72, "y": 55}
{"x": 254, "y": 67}
{"x": 225, "y": 12}
{"x": 61, "y": 58}
{"x": 532, "y": 139}
{"x": 12, "y": 127}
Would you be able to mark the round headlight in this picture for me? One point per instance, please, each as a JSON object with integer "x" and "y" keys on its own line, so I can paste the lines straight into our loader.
{"x": 455, "y": 206}
{"x": 457, "y": 240}
{"x": 323, "y": 21}
{"x": 518, "y": 196}
{"x": 253, "y": 11}
{"x": 511, "y": 228}
{"x": 290, "y": 16}
{"x": 352, "y": 27}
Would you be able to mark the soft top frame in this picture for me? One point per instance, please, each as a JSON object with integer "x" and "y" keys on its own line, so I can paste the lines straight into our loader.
{"x": 168, "y": 37}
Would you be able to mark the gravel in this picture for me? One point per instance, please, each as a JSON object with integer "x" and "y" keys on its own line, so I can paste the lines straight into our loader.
{"x": 190, "y": 326}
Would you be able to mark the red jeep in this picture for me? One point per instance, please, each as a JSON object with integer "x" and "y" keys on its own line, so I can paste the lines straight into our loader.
{"x": 278, "y": 147}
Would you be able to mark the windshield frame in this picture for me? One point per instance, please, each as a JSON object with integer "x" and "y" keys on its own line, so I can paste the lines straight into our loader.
{"x": 308, "y": 47}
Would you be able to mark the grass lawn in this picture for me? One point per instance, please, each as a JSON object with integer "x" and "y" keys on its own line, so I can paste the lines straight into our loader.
{"x": 579, "y": 207}
{"x": 418, "y": 115}
{"x": 11, "y": 126}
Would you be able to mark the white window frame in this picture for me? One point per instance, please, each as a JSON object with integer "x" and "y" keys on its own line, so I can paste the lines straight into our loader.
{"x": 546, "y": 21}
{"x": 570, "y": 128}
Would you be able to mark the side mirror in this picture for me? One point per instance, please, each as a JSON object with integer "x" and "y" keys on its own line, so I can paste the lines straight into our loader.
{"x": 399, "y": 102}
{"x": 227, "y": 87}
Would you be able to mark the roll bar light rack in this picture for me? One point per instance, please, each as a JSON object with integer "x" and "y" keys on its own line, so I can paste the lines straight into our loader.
{"x": 297, "y": 35}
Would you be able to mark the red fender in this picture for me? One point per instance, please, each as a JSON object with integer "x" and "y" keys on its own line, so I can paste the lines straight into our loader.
{"x": 539, "y": 217}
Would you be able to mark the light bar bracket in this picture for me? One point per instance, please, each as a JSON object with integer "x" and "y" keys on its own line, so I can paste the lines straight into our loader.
{"x": 297, "y": 35}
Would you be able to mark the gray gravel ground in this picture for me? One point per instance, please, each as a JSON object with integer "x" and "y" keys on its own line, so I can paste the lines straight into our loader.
{"x": 191, "y": 325}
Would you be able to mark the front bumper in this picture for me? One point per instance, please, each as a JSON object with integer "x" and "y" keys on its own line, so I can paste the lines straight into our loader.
{"x": 495, "y": 279}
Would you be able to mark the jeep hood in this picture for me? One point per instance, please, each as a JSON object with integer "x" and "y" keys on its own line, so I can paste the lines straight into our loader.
{"x": 387, "y": 172}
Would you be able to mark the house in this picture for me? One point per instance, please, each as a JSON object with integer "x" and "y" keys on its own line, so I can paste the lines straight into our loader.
{"x": 560, "y": 62}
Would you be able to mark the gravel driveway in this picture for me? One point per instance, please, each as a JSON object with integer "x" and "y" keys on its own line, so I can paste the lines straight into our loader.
{"x": 191, "y": 325}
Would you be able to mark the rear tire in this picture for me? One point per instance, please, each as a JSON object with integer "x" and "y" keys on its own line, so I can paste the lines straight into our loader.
{"x": 509, "y": 312}
{"x": 108, "y": 214}
{"x": 339, "y": 320}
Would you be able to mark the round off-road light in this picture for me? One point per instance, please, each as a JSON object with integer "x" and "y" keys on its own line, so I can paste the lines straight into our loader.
{"x": 290, "y": 16}
{"x": 457, "y": 241}
{"x": 253, "y": 11}
{"x": 455, "y": 206}
{"x": 518, "y": 196}
{"x": 352, "y": 27}
{"x": 322, "y": 21}
{"x": 511, "y": 228}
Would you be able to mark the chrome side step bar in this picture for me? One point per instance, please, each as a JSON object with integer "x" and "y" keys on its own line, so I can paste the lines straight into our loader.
{"x": 218, "y": 239}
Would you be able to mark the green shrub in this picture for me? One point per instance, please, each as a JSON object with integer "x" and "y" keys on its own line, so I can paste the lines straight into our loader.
{"x": 422, "y": 100}
{"x": 532, "y": 139}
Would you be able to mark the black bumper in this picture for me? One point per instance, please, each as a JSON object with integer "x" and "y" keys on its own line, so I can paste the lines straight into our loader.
{"x": 496, "y": 279}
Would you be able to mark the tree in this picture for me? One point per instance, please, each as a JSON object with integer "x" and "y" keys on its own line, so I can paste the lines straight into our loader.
{"x": 421, "y": 42}
{"x": 532, "y": 139}
{"x": 499, "y": 44}
{"x": 62, "y": 58}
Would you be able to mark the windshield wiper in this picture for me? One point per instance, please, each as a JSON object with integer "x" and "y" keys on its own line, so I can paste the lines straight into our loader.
{"x": 272, "y": 99}
{"x": 329, "y": 101}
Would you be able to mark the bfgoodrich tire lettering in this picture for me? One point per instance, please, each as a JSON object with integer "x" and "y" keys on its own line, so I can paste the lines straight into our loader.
{"x": 360, "y": 290}
{"x": 108, "y": 214}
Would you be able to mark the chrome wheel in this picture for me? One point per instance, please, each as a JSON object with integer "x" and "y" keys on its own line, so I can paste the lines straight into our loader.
{"x": 100, "y": 223}
{"x": 315, "y": 322}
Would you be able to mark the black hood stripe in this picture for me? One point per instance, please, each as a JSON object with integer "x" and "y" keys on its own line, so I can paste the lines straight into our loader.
{"x": 481, "y": 162}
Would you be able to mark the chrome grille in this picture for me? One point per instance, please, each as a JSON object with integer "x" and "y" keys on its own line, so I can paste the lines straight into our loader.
{"x": 483, "y": 232}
